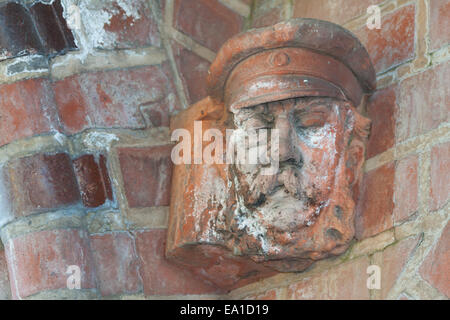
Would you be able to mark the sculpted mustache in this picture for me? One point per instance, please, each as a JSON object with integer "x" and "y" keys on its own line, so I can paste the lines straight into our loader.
{"x": 287, "y": 177}
{"x": 290, "y": 163}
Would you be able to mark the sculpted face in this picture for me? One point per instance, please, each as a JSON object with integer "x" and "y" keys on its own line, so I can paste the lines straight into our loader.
{"x": 314, "y": 150}
{"x": 309, "y": 130}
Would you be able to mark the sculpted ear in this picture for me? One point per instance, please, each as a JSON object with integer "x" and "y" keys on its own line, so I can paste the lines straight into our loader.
{"x": 356, "y": 148}
{"x": 354, "y": 162}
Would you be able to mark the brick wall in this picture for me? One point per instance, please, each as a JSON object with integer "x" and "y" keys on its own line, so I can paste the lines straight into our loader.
{"x": 84, "y": 141}
{"x": 403, "y": 216}
{"x": 84, "y": 149}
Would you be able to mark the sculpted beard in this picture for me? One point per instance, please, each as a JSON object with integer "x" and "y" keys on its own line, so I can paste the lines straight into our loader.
{"x": 281, "y": 199}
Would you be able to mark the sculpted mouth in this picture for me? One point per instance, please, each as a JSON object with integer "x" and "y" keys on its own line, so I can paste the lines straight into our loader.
{"x": 279, "y": 191}
{"x": 290, "y": 163}
{"x": 285, "y": 182}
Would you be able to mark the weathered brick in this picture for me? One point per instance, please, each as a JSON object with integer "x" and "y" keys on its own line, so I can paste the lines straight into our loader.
{"x": 6, "y": 211}
{"x": 375, "y": 206}
{"x": 19, "y": 35}
{"x": 160, "y": 276}
{"x": 39, "y": 261}
{"x": 72, "y": 106}
{"x": 119, "y": 24}
{"x": 56, "y": 37}
{"x": 394, "y": 259}
{"x": 42, "y": 182}
{"x": 439, "y": 23}
{"x": 406, "y": 188}
{"x": 156, "y": 114}
{"x": 344, "y": 282}
{"x": 436, "y": 266}
{"x": 5, "y": 290}
{"x": 147, "y": 174}
{"x": 193, "y": 70}
{"x": 26, "y": 108}
{"x": 394, "y": 42}
{"x": 331, "y": 10}
{"x": 111, "y": 98}
{"x": 381, "y": 110}
{"x": 423, "y": 102}
{"x": 267, "y": 18}
{"x": 116, "y": 263}
{"x": 93, "y": 179}
{"x": 102, "y": 161}
{"x": 208, "y": 22}
{"x": 440, "y": 175}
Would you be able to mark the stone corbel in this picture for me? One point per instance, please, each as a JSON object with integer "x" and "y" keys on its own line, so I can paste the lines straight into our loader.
{"x": 233, "y": 225}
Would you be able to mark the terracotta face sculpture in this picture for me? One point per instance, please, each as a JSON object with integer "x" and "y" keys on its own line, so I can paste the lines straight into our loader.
{"x": 232, "y": 223}
{"x": 320, "y": 154}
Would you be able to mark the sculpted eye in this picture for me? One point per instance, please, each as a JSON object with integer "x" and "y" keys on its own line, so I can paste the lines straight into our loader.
{"x": 310, "y": 119}
{"x": 256, "y": 123}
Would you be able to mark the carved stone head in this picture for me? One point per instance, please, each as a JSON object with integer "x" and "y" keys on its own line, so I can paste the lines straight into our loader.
{"x": 303, "y": 82}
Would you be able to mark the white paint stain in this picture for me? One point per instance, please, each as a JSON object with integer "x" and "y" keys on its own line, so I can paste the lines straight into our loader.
{"x": 94, "y": 17}
{"x": 213, "y": 192}
{"x": 99, "y": 140}
{"x": 247, "y": 221}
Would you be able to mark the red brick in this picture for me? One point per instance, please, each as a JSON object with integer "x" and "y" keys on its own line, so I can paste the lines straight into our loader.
{"x": 52, "y": 28}
{"x": 394, "y": 42}
{"x": 26, "y": 108}
{"x": 394, "y": 259}
{"x": 436, "y": 266}
{"x": 72, "y": 106}
{"x": 406, "y": 188}
{"x": 157, "y": 114}
{"x": 116, "y": 263}
{"x": 208, "y": 22}
{"x": 5, "y": 290}
{"x": 423, "y": 101}
{"x": 381, "y": 110}
{"x": 42, "y": 182}
{"x": 130, "y": 24}
{"x": 439, "y": 23}
{"x": 331, "y": 10}
{"x": 111, "y": 98}
{"x": 6, "y": 210}
{"x": 95, "y": 186}
{"x": 375, "y": 206}
{"x": 160, "y": 276}
{"x": 105, "y": 176}
{"x": 268, "y": 18}
{"x": 147, "y": 174}
{"x": 440, "y": 175}
{"x": 193, "y": 71}
{"x": 39, "y": 261}
{"x": 344, "y": 282}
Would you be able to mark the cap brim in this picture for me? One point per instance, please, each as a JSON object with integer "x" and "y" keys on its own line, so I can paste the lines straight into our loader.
{"x": 281, "y": 87}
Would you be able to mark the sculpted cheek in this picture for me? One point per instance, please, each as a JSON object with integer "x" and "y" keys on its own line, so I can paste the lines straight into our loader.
{"x": 320, "y": 161}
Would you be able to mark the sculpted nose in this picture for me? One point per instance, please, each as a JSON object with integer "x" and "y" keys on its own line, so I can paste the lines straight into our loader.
{"x": 287, "y": 148}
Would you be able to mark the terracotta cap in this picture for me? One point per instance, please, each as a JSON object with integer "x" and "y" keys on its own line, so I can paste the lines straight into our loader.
{"x": 299, "y": 57}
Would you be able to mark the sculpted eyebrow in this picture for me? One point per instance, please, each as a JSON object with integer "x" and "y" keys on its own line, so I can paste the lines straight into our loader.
{"x": 254, "y": 111}
{"x": 317, "y": 107}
